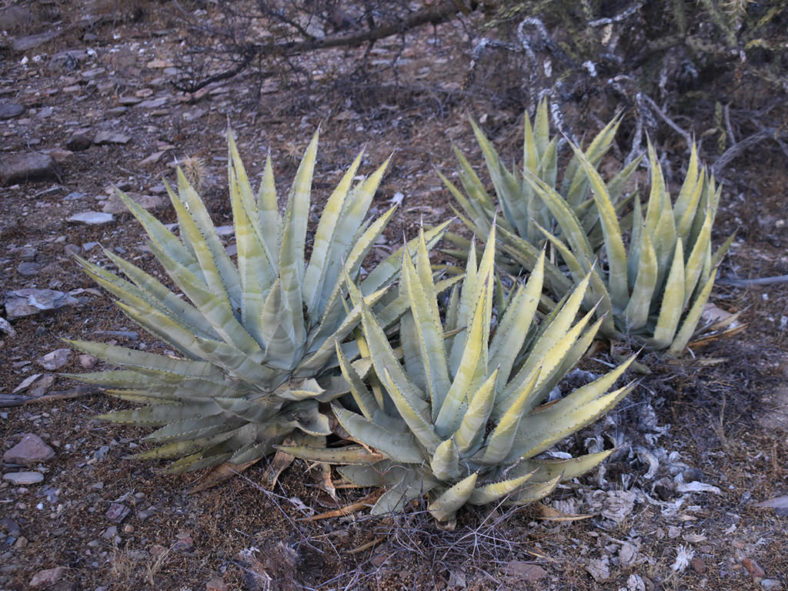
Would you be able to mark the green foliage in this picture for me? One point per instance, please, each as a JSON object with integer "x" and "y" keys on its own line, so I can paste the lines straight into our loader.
{"x": 525, "y": 214}
{"x": 458, "y": 415}
{"x": 256, "y": 339}
{"x": 654, "y": 288}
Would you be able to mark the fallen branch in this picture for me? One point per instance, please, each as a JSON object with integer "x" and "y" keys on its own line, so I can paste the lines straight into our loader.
{"x": 7, "y": 400}
{"x": 750, "y": 282}
{"x": 433, "y": 15}
{"x": 736, "y": 150}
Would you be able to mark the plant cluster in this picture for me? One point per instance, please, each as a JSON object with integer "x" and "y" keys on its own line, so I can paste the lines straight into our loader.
{"x": 650, "y": 277}
{"x": 422, "y": 393}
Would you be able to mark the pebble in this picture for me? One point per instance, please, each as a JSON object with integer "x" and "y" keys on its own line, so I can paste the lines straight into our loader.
{"x": 698, "y": 565}
{"x": 28, "y": 269}
{"x": 113, "y": 203}
{"x": 54, "y": 359}
{"x": 525, "y": 571}
{"x": 111, "y": 137}
{"x": 753, "y": 568}
{"x": 22, "y": 167}
{"x": 92, "y": 218}
{"x": 10, "y": 527}
{"x": 87, "y": 361}
{"x": 771, "y": 585}
{"x": 216, "y": 584}
{"x": 48, "y": 577}
{"x": 30, "y": 450}
{"x": 9, "y": 110}
{"x": 117, "y": 512}
{"x": 21, "y": 44}
{"x": 27, "y": 302}
{"x": 23, "y": 478}
{"x": 79, "y": 140}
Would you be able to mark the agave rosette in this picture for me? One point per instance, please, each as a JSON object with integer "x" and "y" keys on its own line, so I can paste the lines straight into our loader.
{"x": 460, "y": 415}
{"x": 254, "y": 339}
{"x": 656, "y": 288}
{"x": 523, "y": 212}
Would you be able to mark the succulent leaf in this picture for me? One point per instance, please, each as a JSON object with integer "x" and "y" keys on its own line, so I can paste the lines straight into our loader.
{"x": 258, "y": 337}
{"x": 465, "y": 444}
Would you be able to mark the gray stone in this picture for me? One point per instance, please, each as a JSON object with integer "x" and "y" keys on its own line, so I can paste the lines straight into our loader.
{"x": 28, "y": 269}
{"x": 79, "y": 141}
{"x": 154, "y": 103}
{"x": 525, "y": 571}
{"x": 10, "y": 527}
{"x": 9, "y": 110}
{"x": 30, "y": 450}
{"x": 68, "y": 60}
{"x": 111, "y": 137}
{"x": 47, "y": 578}
{"x": 28, "y": 302}
{"x": 128, "y": 101}
{"x": 24, "y": 43}
{"x": 54, "y": 359}
{"x": 92, "y": 218}
{"x": 117, "y": 512}
{"x": 6, "y": 327}
{"x": 27, "y": 166}
{"x": 23, "y": 478}
{"x": 113, "y": 203}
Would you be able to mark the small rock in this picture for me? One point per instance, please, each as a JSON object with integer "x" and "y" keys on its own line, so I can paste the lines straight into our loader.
{"x": 754, "y": 568}
{"x": 27, "y": 302}
{"x": 110, "y": 533}
{"x": 158, "y": 64}
{"x": 184, "y": 542}
{"x": 54, "y": 359}
{"x": 599, "y": 569}
{"x": 68, "y": 60}
{"x": 21, "y": 44}
{"x": 30, "y": 450}
{"x": 216, "y": 584}
{"x": 771, "y": 585}
{"x": 153, "y": 103}
{"x": 129, "y": 101}
{"x": 41, "y": 386}
{"x": 117, "y": 512}
{"x": 79, "y": 141}
{"x": 27, "y": 166}
{"x": 23, "y": 478}
{"x": 92, "y": 218}
{"x": 525, "y": 571}
{"x": 28, "y": 269}
{"x": 152, "y": 159}
{"x": 6, "y": 327}
{"x": 87, "y": 361}
{"x": 627, "y": 554}
{"x": 114, "y": 205}
{"x": 48, "y": 577}
{"x": 698, "y": 565}
{"x": 9, "y": 110}
{"x": 111, "y": 137}
{"x": 10, "y": 527}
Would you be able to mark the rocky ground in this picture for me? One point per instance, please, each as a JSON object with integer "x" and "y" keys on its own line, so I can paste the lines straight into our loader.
{"x": 694, "y": 498}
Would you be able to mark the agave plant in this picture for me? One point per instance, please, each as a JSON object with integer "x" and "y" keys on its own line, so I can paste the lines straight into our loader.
{"x": 523, "y": 211}
{"x": 654, "y": 289}
{"x": 460, "y": 414}
{"x": 254, "y": 339}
